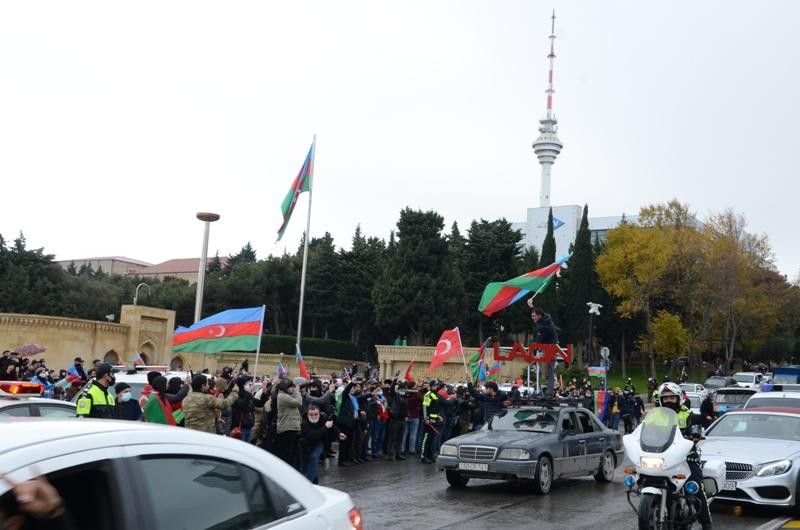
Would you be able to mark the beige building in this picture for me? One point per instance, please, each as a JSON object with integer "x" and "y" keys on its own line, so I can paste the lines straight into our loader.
{"x": 111, "y": 264}
{"x": 186, "y": 268}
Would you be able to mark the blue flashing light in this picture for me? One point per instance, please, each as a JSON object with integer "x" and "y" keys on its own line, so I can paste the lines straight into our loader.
{"x": 691, "y": 487}
{"x": 630, "y": 481}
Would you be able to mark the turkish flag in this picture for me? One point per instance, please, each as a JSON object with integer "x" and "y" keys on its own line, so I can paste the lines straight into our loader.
{"x": 449, "y": 345}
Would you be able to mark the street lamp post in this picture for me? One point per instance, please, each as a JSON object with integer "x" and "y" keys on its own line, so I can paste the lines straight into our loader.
{"x": 136, "y": 294}
{"x": 207, "y": 218}
{"x": 594, "y": 309}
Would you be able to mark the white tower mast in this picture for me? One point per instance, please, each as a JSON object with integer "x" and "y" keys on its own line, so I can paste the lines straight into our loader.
{"x": 547, "y": 146}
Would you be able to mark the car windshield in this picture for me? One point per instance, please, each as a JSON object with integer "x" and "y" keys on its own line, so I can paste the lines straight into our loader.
{"x": 785, "y": 379}
{"x": 694, "y": 402}
{"x": 732, "y": 398}
{"x": 524, "y": 420}
{"x": 715, "y": 381}
{"x": 769, "y": 426}
{"x": 743, "y": 378}
{"x": 687, "y": 388}
{"x": 658, "y": 429}
{"x": 774, "y": 402}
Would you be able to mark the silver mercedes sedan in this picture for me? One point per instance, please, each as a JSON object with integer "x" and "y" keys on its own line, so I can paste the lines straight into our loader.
{"x": 761, "y": 450}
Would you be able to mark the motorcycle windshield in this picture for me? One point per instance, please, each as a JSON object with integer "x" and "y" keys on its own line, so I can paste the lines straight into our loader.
{"x": 658, "y": 430}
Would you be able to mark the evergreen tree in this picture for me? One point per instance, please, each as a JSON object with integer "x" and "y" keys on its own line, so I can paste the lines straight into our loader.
{"x": 418, "y": 293}
{"x": 547, "y": 300}
{"x": 215, "y": 265}
{"x": 578, "y": 285}
{"x": 322, "y": 276}
{"x": 246, "y": 255}
{"x": 492, "y": 254}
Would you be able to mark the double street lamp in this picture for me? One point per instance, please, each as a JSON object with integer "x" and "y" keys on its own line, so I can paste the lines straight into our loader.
{"x": 207, "y": 218}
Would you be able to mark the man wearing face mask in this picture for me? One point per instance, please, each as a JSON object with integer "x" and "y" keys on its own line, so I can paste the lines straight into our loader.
{"x": 96, "y": 401}
{"x": 127, "y": 408}
{"x": 315, "y": 430}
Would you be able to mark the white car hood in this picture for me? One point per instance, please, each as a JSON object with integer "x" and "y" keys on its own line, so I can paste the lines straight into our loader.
{"x": 754, "y": 450}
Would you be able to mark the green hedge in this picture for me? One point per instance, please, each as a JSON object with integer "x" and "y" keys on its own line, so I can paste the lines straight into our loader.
{"x": 336, "y": 349}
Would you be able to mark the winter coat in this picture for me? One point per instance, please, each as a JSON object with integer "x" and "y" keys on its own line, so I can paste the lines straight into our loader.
{"x": 546, "y": 330}
{"x": 200, "y": 410}
{"x": 243, "y": 411}
{"x": 289, "y": 406}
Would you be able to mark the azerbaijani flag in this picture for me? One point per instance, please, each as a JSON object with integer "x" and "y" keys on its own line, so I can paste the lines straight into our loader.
{"x": 477, "y": 361}
{"x": 137, "y": 360}
{"x": 494, "y": 371}
{"x": 230, "y": 330}
{"x": 301, "y": 363}
{"x": 301, "y": 183}
{"x": 499, "y": 295}
{"x": 282, "y": 371}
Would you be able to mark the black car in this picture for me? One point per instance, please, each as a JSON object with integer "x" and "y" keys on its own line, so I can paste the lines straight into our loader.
{"x": 536, "y": 443}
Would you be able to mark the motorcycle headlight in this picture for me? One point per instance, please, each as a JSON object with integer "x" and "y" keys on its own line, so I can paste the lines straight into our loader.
{"x": 448, "y": 450}
{"x": 649, "y": 462}
{"x": 774, "y": 468}
{"x": 514, "y": 454}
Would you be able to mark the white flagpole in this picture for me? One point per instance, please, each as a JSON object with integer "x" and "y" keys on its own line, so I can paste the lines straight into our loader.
{"x": 463, "y": 357}
{"x": 305, "y": 248}
{"x": 260, "y": 334}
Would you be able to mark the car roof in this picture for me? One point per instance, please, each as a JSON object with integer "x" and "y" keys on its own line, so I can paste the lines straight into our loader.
{"x": 736, "y": 390}
{"x": 6, "y": 401}
{"x": 778, "y": 393}
{"x": 768, "y": 410}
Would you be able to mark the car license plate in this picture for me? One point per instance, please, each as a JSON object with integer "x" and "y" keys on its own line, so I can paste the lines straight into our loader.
{"x": 469, "y": 466}
{"x": 729, "y": 485}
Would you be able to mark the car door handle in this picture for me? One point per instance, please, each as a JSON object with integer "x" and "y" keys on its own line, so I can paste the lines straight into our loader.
{"x": 601, "y": 439}
{"x": 581, "y": 441}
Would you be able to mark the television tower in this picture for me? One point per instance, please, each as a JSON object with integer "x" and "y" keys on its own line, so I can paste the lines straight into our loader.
{"x": 547, "y": 146}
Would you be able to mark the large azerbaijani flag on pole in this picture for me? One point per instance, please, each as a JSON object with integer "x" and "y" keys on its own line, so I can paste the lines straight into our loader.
{"x": 230, "y": 330}
{"x": 499, "y": 295}
{"x": 301, "y": 183}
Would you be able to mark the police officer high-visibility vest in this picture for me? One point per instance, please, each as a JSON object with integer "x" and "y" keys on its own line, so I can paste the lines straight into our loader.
{"x": 95, "y": 402}
{"x": 683, "y": 418}
{"x": 430, "y": 406}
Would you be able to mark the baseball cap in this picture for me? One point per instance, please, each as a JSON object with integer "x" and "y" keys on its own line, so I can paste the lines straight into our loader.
{"x": 103, "y": 369}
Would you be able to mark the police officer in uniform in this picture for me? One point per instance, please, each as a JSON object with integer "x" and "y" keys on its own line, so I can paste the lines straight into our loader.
{"x": 431, "y": 419}
{"x": 95, "y": 401}
{"x": 669, "y": 395}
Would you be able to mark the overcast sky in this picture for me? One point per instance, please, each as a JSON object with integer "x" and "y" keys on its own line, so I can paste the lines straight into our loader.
{"x": 119, "y": 121}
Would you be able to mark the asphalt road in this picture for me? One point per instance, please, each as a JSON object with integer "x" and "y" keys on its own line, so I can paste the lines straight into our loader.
{"x": 410, "y": 495}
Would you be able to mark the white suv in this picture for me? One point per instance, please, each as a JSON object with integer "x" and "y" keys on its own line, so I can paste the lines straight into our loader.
{"x": 749, "y": 379}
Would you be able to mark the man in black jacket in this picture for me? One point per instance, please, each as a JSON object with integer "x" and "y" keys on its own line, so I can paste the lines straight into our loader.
{"x": 398, "y": 412}
{"x": 494, "y": 400}
{"x": 545, "y": 334}
{"x": 707, "y": 411}
{"x": 315, "y": 429}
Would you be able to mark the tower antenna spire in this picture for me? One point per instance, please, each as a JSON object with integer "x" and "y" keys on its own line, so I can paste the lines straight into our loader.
{"x": 547, "y": 146}
{"x": 551, "y": 57}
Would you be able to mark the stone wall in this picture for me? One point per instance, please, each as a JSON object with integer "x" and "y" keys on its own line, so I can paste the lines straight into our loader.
{"x": 141, "y": 329}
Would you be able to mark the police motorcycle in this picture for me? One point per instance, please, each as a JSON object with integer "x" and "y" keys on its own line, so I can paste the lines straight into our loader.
{"x": 660, "y": 476}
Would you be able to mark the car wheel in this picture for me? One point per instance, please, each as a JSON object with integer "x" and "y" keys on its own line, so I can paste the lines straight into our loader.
{"x": 543, "y": 479}
{"x": 456, "y": 479}
{"x": 607, "y": 466}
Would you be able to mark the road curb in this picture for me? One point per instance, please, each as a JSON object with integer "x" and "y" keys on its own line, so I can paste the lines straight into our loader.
{"x": 775, "y": 523}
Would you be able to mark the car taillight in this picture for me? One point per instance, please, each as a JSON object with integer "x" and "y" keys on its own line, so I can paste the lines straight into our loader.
{"x": 356, "y": 520}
